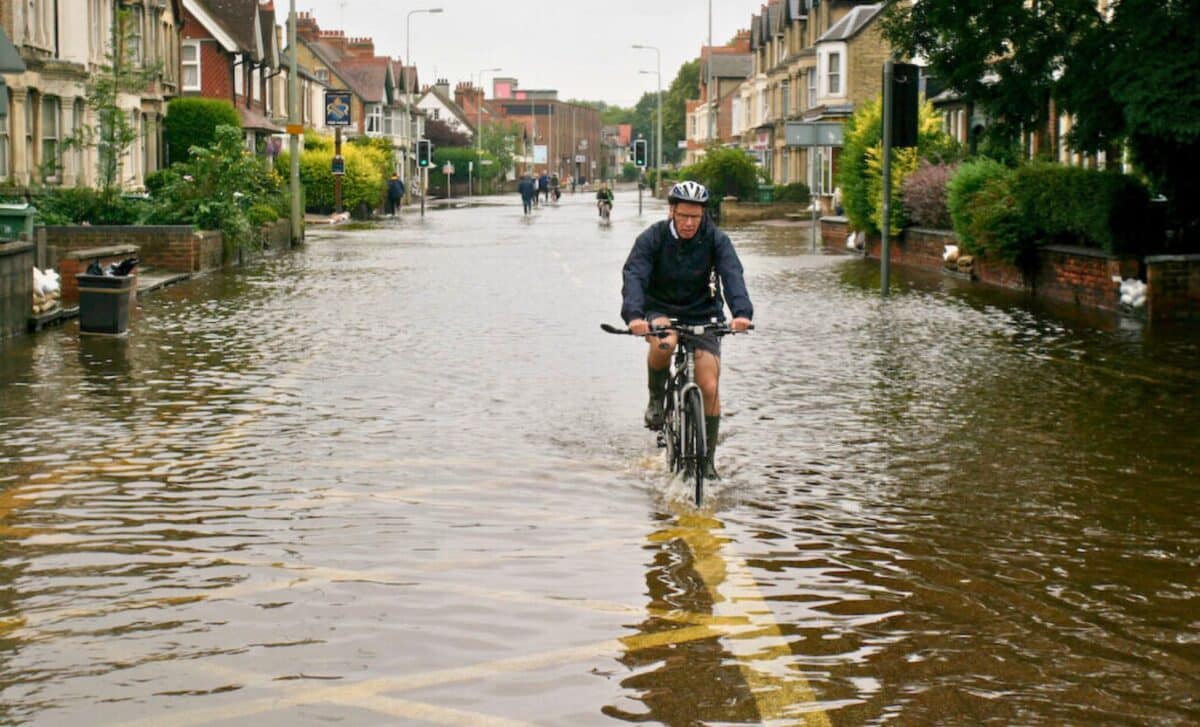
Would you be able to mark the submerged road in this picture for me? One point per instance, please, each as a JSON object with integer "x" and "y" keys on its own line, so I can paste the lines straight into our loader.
{"x": 398, "y": 477}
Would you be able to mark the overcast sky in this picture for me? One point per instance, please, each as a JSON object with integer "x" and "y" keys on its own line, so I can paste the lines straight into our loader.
{"x": 582, "y": 49}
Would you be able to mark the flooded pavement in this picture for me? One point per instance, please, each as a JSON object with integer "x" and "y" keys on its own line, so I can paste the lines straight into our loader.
{"x": 398, "y": 477}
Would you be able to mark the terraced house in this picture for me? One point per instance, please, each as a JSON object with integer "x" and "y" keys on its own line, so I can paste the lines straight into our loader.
{"x": 814, "y": 60}
{"x": 63, "y": 43}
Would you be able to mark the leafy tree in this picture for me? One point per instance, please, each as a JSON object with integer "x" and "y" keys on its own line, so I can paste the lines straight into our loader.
{"x": 500, "y": 140}
{"x": 121, "y": 75}
{"x": 726, "y": 171}
{"x": 1132, "y": 77}
{"x": 193, "y": 121}
{"x": 440, "y": 133}
{"x": 683, "y": 89}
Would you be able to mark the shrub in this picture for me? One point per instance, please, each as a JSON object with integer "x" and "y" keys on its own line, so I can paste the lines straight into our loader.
{"x": 726, "y": 172}
{"x": 795, "y": 192}
{"x": 362, "y": 184}
{"x": 967, "y": 181}
{"x": 1076, "y": 206}
{"x": 193, "y": 122}
{"x": 629, "y": 172}
{"x": 924, "y": 195}
{"x": 261, "y": 213}
{"x": 80, "y": 205}
{"x": 860, "y": 166}
{"x": 995, "y": 226}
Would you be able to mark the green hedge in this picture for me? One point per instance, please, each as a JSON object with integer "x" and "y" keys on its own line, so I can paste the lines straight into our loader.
{"x": 1007, "y": 214}
{"x": 363, "y": 183}
{"x": 795, "y": 192}
{"x": 193, "y": 122}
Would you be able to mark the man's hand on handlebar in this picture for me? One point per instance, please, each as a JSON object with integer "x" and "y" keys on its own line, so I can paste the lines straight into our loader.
{"x": 740, "y": 324}
{"x": 639, "y": 327}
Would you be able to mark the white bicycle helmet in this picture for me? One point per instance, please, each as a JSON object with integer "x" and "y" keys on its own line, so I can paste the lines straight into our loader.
{"x": 688, "y": 191}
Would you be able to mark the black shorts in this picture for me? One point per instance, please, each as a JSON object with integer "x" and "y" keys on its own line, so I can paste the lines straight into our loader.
{"x": 708, "y": 342}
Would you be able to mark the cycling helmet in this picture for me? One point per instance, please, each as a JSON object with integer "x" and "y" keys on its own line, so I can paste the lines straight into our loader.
{"x": 688, "y": 191}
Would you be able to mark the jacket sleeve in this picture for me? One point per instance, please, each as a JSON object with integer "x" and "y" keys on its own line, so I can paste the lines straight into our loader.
{"x": 636, "y": 276}
{"x": 733, "y": 280}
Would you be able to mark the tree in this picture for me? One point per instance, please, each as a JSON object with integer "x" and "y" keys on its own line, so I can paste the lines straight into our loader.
{"x": 193, "y": 121}
{"x": 684, "y": 88}
{"x": 726, "y": 171}
{"x": 500, "y": 140}
{"x": 122, "y": 75}
{"x": 440, "y": 133}
{"x": 1131, "y": 77}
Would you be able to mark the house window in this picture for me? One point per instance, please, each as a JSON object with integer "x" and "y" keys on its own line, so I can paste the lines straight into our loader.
{"x": 135, "y": 34}
{"x": 30, "y": 101}
{"x": 51, "y": 130}
{"x": 374, "y": 118}
{"x": 323, "y": 75}
{"x": 835, "y": 74}
{"x": 812, "y": 87}
{"x": 785, "y": 98}
{"x": 76, "y": 153}
{"x": 191, "y": 65}
{"x": 765, "y": 106}
{"x": 256, "y": 84}
{"x": 4, "y": 143}
{"x": 239, "y": 79}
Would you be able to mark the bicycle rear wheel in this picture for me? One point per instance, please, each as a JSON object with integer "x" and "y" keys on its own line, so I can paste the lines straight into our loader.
{"x": 693, "y": 441}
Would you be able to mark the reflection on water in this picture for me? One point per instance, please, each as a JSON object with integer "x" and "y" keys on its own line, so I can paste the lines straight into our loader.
{"x": 399, "y": 477}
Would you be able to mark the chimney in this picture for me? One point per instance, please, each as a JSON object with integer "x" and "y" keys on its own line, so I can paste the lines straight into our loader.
{"x": 360, "y": 47}
{"x": 306, "y": 27}
{"x": 443, "y": 85}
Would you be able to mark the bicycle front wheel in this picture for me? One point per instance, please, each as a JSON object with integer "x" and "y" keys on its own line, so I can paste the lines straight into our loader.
{"x": 694, "y": 447}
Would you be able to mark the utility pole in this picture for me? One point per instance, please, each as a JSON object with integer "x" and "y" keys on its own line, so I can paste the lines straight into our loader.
{"x": 295, "y": 128}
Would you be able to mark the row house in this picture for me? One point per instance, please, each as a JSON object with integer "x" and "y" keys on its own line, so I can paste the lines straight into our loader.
{"x": 722, "y": 72}
{"x": 437, "y": 104}
{"x": 63, "y": 43}
{"x": 229, "y": 49}
{"x": 380, "y": 87}
{"x": 814, "y": 60}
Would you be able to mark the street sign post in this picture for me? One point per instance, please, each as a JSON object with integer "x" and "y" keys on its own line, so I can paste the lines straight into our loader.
{"x": 813, "y": 135}
{"x": 338, "y": 110}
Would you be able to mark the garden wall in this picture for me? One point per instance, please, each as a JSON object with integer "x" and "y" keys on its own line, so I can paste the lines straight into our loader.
{"x": 734, "y": 211}
{"x": 1079, "y": 275}
{"x": 174, "y": 248}
{"x": 16, "y": 287}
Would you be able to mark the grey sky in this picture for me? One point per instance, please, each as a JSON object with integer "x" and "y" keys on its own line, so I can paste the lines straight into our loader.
{"x": 580, "y": 48}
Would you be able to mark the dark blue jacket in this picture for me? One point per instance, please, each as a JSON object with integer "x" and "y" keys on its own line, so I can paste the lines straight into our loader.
{"x": 666, "y": 275}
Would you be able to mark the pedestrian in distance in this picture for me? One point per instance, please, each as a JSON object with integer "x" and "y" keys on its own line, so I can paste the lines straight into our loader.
{"x": 683, "y": 267}
{"x": 528, "y": 192}
{"x": 395, "y": 194}
{"x": 544, "y": 186}
{"x": 555, "y": 183}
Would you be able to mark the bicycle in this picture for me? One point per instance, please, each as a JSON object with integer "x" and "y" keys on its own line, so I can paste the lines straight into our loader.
{"x": 682, "y": 433}
{"x": 605, "y": 209}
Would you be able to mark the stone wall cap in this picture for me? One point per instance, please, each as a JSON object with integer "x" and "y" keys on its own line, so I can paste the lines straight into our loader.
{"x": 1150, "y": 259}
{"x": 835, "y": 218}
{"x": 15, "y": 247}
{"x": 1082, "y": 251}
{"x": 937, "y": 231}
{"x": 108, "y": 251}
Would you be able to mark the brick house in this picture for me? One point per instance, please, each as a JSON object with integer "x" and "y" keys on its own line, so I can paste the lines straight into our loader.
{"x": 229, "y": 50}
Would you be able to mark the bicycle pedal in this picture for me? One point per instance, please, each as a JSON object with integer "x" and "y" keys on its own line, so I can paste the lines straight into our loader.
{"x": 661, "y": 439}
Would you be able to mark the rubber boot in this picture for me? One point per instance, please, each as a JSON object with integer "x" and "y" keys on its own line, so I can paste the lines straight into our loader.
{"x": 657, "y": 383}
{"x": 712, "y": 428}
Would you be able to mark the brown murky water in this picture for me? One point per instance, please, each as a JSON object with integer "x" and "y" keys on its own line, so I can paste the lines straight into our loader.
{"x": 397, "y": 477}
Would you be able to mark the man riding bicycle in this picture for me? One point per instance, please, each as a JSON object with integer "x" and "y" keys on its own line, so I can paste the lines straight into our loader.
{"x": 678, "y": 268}
{"x": 604, "y": 197}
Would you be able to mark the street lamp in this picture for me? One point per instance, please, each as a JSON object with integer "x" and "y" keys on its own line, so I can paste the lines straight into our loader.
{"x": 658, "y": 157}
{"x": 479, "y": 115}
{"x": 408, "y": 83}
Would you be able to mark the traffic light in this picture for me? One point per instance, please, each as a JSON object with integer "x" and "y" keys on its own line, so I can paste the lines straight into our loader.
{"x": 906, "y": 104}
{"x": 424, "y": 152}
{"x": 639, "y": 152}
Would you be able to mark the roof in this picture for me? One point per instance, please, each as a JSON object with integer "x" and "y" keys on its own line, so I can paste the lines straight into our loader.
{"x": 728, "y": 65}
{"x": 367, "y": 77}
{"x": 255, "y": 121}
{"x": 449, "y": 103}
{"x": 238, "y": 19}
{"x": 850, "y": 25}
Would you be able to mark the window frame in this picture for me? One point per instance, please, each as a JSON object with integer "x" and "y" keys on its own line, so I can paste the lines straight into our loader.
{"x": 184, "y": 65}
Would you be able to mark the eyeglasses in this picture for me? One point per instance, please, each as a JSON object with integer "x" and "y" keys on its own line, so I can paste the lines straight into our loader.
{"x": 689, "y": 218}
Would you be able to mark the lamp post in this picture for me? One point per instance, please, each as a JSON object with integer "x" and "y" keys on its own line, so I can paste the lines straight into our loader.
{"x": 658, "y": 134}
{"x": 408, "y": 74}
{"x": 294, "y": 127}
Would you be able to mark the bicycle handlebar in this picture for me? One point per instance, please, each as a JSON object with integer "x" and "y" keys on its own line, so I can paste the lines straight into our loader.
{"x": 699, "y": 329}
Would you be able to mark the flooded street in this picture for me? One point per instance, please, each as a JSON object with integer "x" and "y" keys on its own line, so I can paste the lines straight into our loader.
{"x": 399, "y": 477}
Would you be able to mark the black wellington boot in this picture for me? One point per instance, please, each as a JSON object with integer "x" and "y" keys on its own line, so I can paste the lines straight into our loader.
{"x": 657, "y": 383}
{"x": 712, "y": 428}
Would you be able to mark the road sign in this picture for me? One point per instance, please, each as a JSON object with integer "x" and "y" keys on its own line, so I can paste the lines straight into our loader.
{"x": 337, "y": 108}
{"x": 448, "y": 169}
{"x": 813, "y": 133}
{"x": 485, "y": 162}
{"x": 580, "y": 158}
{"x": 339, "y": 165}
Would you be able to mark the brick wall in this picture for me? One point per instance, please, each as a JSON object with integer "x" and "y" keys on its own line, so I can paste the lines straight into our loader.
{"x": 834, "y": 231}
{"x": 1083, "y": 276}
{"x": 1174, "y": 286}
{"x": 177, "y": 248}
{"x": 733, "y": 212}
{"x": 16, "y": 287}
{"x": 917, "y": 247}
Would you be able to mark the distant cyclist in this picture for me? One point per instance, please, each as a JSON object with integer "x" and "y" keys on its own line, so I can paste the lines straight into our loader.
{"x": 604, "y": 199}
{"x": 684, "y": 267}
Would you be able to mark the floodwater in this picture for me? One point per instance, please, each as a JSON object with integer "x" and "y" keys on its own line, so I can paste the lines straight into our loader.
{"x": 398, "y": 477}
